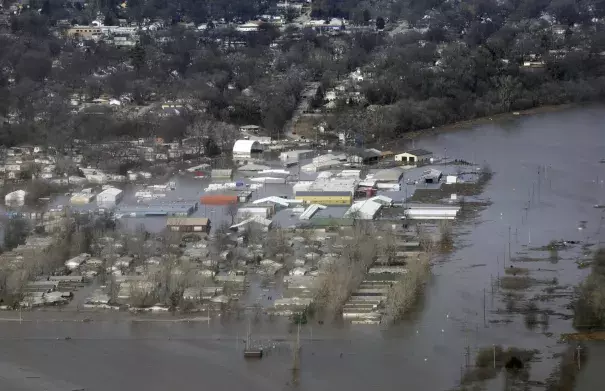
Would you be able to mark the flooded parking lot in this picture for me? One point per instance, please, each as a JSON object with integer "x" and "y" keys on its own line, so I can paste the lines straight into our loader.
{"x": 424, "y": 352}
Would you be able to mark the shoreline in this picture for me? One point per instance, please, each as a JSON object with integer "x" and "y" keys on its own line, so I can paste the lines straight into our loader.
{"x": 484, "y": 120}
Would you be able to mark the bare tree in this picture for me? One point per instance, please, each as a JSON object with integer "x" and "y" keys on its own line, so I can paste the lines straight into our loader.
{"x": 232, "y": 212}
{"x": 345, "y": 275}
{"x": 405, "y": 292}
{"x": 446, "y": 235}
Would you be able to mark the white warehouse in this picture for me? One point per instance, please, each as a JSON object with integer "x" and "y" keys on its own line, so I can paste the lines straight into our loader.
{"x": 432, "y": 212}
{"x": 245, "y": 148}
{"x": 111, "y": 195}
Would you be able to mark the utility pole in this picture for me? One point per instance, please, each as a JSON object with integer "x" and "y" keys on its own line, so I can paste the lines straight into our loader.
{"x": 484, "y": 317}
{"x": 509, "y": 255}
{"x": 296, "y": 358}
{"x": 494, "y": 349}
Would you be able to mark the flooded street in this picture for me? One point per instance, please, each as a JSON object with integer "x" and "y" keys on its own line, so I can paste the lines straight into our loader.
{"x": 423, "y": 353}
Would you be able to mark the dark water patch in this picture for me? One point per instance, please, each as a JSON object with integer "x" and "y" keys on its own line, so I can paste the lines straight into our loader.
{"x": 493, "y": 360}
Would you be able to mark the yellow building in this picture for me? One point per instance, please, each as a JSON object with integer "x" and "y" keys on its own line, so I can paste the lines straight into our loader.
{"x": 86, "y": 32}
{"x": 325, "y": 197}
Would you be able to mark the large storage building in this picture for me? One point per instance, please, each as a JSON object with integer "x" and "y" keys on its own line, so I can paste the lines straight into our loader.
{"x": 325, "y": 197}
{"x": 218, "y": 199}
{"x": 245, "y": 148}
{"x": 110, "y": 196}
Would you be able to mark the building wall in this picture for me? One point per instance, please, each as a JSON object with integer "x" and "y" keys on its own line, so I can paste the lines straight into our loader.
{"x": 188, "y": 228}
{"x": 84, "y": 32}
{"x": 326, "y": 200}
{"x": 405, "y": 157}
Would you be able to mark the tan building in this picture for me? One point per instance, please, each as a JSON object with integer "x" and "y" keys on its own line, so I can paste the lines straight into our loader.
{"x": 414, "y": 156}
{"x": 86, "y": 32}
{"x": 188, "y": 224}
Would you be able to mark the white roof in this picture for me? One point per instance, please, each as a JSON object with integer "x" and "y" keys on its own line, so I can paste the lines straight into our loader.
{"x": 382, "y": 199}
{"x": 310, "y": 211}
{"x": 256, "y": 219}
{"x": 365, "y": 210}
{"x": 245, "y": 146}
{"x": 111, "y": 191}
{"x": 273, "y": 199}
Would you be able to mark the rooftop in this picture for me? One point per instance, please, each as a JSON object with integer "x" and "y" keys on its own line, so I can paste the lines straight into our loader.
{"x": 185, "y": 221}
{"x": 338, "y": 184}
{"x": 419, "y": 152}
{"x": 364, "y": 210}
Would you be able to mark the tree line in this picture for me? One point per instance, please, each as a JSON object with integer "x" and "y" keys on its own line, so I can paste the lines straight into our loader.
{"x": 463, "y": 60}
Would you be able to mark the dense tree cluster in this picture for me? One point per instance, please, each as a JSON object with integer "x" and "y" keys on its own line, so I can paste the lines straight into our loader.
{"x": 218, "y": 76}
{"x": 479, "y": 58}
{"x": 446, "y": 61}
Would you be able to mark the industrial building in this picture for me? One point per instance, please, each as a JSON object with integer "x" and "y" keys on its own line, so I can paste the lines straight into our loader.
{"x": 219, "y": 199}
{"x": 327, "y": 190}
{"x": 260, "y": 211}
{"x": 170, "y": 209}
{"x": 431, "y": 212}
{"x": 188, "y": 224}
{"x": 364, "y": 156}
{"x": 221, "y": 173}
{"x": 86, "y": 196}
{"x": 324, "y": 162}
{"x": 394, "y": 174}
{"x": 432, "y": 176}
{"x": 297, "y": 155}
{"x": 364, "y": 210}
{"x": 110, "y": 196}
{"x": 251, "y": 167}
{"x": 325, "y": 197}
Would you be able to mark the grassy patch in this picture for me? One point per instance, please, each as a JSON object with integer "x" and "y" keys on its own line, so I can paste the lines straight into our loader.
{"x": 516, "y": 283}
{"x": 517, "y": 271}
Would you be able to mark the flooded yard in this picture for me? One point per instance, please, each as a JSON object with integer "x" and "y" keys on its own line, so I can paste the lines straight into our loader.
{"x": 547, "y": 179}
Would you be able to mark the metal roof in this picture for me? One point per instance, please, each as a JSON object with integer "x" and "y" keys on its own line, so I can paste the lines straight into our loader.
{"x": 245, "y": 146}
{"x": 310, "y": 211}
{"x": 389, "y": 174}
{"x": 253, "y": 219}
{"x": 319, "y": 193}
{"x": 364, "y": 210}
{"x": 419, "y": 152}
